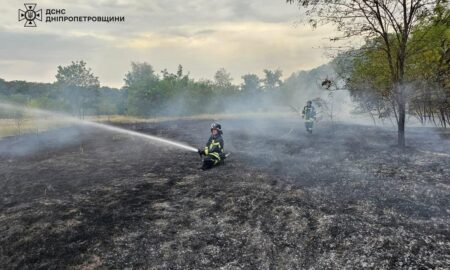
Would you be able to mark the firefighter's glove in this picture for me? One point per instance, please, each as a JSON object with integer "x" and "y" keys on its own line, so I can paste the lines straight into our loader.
{"x": 200, "y": 152}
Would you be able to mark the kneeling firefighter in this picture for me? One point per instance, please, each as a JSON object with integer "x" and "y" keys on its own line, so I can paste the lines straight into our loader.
{"x": 213, "y": 151}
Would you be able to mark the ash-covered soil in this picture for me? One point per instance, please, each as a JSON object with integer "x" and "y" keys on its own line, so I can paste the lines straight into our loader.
{"x": 339, "y": 198}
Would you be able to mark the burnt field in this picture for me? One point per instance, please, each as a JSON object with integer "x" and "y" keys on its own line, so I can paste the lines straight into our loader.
{"x": 339, "y": 198}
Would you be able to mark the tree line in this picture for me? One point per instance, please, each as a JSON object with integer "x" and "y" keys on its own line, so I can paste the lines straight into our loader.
{"x": 147, "y": 92}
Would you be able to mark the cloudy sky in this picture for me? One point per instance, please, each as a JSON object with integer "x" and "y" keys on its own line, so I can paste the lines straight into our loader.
{"x": 242, "y": 36}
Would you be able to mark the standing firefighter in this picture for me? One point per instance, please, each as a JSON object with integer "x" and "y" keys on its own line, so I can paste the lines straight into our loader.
{"x": 309, "y": 114}
{"x": 213, "y": 151}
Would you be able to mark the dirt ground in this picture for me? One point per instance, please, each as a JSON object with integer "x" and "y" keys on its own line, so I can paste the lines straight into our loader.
{"x": 343, "y": 197}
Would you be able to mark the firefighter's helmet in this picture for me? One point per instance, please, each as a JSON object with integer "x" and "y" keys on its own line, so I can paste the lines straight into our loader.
{"x": 216, "y": 126}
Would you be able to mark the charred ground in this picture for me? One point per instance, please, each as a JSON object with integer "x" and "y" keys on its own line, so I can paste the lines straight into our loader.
{"x": 342, "y": 197}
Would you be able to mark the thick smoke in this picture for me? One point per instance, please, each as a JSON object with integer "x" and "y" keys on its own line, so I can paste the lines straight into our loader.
{"x": 29, "y": 144}
{"x": 263, "y": 108}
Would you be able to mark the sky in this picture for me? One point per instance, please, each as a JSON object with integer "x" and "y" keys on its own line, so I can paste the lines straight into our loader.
{"x": 203, "y": 36}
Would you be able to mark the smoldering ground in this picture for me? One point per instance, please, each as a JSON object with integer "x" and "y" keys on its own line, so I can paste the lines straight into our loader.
{"x": 343, "y": 197}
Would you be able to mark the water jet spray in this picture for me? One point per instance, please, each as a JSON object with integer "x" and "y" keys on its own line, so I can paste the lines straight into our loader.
{"x": 71, "y": 119}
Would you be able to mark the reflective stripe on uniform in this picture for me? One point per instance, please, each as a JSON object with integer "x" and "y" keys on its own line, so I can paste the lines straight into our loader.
{"x": 213, "y": 144}
{"x": 215, "y": 155}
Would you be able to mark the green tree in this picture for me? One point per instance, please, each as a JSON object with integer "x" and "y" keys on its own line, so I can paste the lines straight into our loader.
{"x": 272, "y": 79}
{"x": 251, "y": 85}
{"x": 141, "y": 86}
{"x": 224, "y": 89}
{"x": 430, "y": 71}
{"x": 79, "y": 85}
{"x": 175, "y": 90}
{"x": 391, "y": 21}
{"x": 368, "y": 75}
{"x": 223, "y": 79}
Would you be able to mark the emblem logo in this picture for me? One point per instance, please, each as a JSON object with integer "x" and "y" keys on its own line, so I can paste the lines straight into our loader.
{"x": 30, "y": 15}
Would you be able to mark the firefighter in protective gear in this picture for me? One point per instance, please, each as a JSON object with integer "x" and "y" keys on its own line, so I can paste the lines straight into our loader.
{"x": 213, "y": 152}
{"x": 309, "y": 114}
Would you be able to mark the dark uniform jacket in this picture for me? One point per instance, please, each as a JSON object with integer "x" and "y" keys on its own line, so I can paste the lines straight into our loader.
{"x": 309, "y": 113}
{"x": 214, "y": 147}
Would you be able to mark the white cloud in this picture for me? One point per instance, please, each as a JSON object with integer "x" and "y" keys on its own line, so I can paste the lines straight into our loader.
{"x": 203, "y": 35}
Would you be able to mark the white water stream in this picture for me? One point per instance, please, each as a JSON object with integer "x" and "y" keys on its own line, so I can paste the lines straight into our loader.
{"x": 71, "y": 119}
